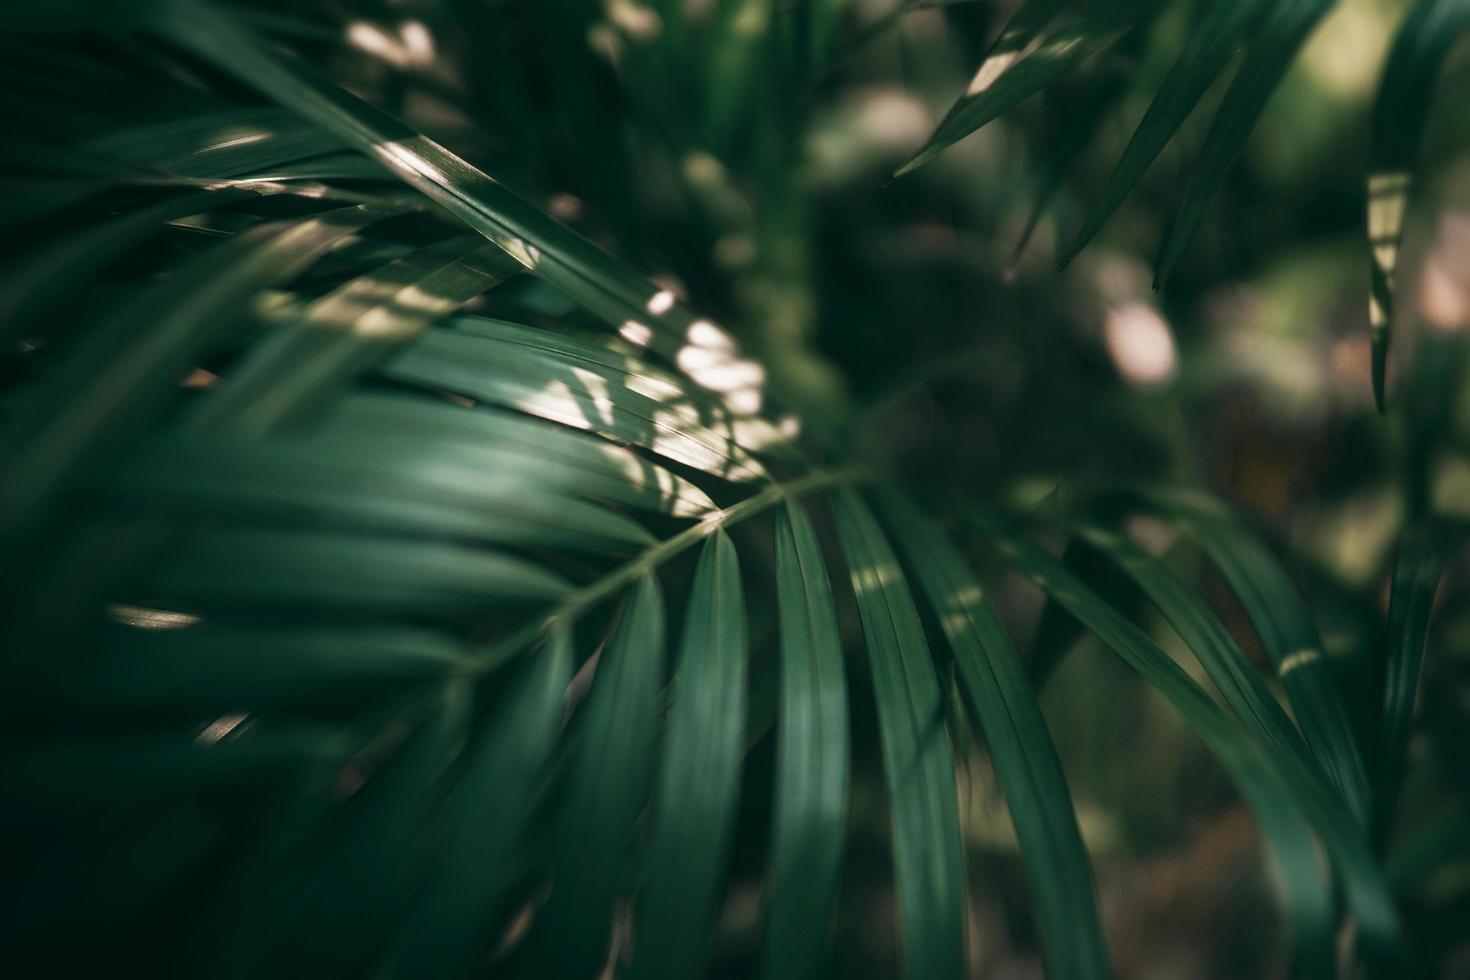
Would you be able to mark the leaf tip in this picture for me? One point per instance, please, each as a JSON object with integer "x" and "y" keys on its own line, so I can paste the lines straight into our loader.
{"x": 929, "y": 152}
{"x": 909, "y": 166}
{"x": 1065, "y": 258}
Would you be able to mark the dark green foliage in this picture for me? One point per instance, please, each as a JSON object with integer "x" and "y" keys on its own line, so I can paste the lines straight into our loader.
{"x": 353, "y": 484}
{"x": 1036, "y": 790}
{"x": 928, "y": 860}
{"x": 810, "y": 815}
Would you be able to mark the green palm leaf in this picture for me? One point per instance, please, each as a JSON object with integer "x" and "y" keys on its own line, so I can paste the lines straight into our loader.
{"x": 1288, "y": 800}
{"x": 551, "y": 455}
{"x": 928, "y": 859}
{"x": 226, "y": 668}
{"x": 696, "y": 794}
{"x": 1026, "y": 59}
{"x": 130, "y": 365}
{"x": 1221, "y": 33}
{"x": 812, "y": 766}
{"x": 1287, "y": 25}
{"x": 343, "y": 485}
{"x": 475, "y": 867}
{"x": 1289, "y": 635}
{"x": 1206, "y": 637}
{"x": 563, "y": 258}
{"x": 1023, "y": 62}
{"x": 1016, "y": 734}
{"x": 606, "y": 785}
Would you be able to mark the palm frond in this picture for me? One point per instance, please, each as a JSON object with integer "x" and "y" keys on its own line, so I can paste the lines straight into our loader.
{"x": 1045, "y": 41}
{"x": 810, "y": 810}
{"x": 1004, "y": 707}
{"x": 1291, "y": 800}
{"x": 351, "y": 497}
{"x": 928, "y": 859}
{"x": 1290, "y": 637}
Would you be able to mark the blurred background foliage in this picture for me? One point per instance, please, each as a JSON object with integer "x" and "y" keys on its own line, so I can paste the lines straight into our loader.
{"x": 742, "y": 152}
{"x": 744, "y": 156}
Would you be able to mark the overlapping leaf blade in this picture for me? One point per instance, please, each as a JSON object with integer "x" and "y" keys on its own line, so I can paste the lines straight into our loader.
{"x": 809, "y": 824}
{"x": 1003, "y": 705}
{"x": 422, "y": 489}
{"x": 91, "y": 769}
{"x": 475, "y": 868}
{"x": 547, "y": 453}
{"x": 1206, "y": 637}
{"x": 233, "y": 668}
{"x": 611, "y": 401}
{"x": 706, "y": 352}
{"x": 694, "y": 804}
{"x": 1023, "y": 63}
{"x": 918, "y": 764}
{"x": 134, "y": 363}
{"x": 1288, "y": 800}
{"x": 606, "y": 787}
{"x": 1057, "y": 630}
{"x": 215, "y": 145}
{"x": 46, "y": 277}
{"x": 568, "y": 261}
{"x": 1207, "y": 51}
{"x": 341, "y": 334}
{"x": 245, "y": 567}
{"x": 1289, "y": 635}
{"x": 1080, "y": 115}
{"x": 1287, "y": 25}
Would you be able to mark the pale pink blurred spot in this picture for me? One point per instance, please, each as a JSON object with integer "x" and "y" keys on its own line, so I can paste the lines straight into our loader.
{"x": 567, "y": 207}
{"x": 1140, "y": 344}
{"x": 1444, "y": 280}
{"x": 1350, "y": 359}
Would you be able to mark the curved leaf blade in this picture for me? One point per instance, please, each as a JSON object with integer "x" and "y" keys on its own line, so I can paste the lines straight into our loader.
{"x": 1290, "y": 637}
{"x": 547, "y": 452}
{"x": 423, "y": 489}
{"x": 49, "y": 274}
{"x": 590, "y": 276}
{"x": 1270, "y": 54}
{"x": 203, "y": 667}
{"x": 1025, "y": 757}
{"x": 1005, "y": 79}
{"x": 611, "y": 402}
{"x": 1205, "y": 636}
{"x": 351, "y": 328}
{"x": 1284, "y": 792}
{"x": 605, "y": 792}
{"x": 927, "y": 852}
{"x": 449, "y": 923}
{"x": 1207, "y": 52}
{"x": 347, "y": 571}
{"x": 810, "y": 819}
{"x": 694, "y": 807}
{"x": 133, "y": 364}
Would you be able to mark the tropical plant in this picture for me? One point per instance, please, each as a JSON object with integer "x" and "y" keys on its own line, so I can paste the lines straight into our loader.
{"x": 351, "y": 496}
